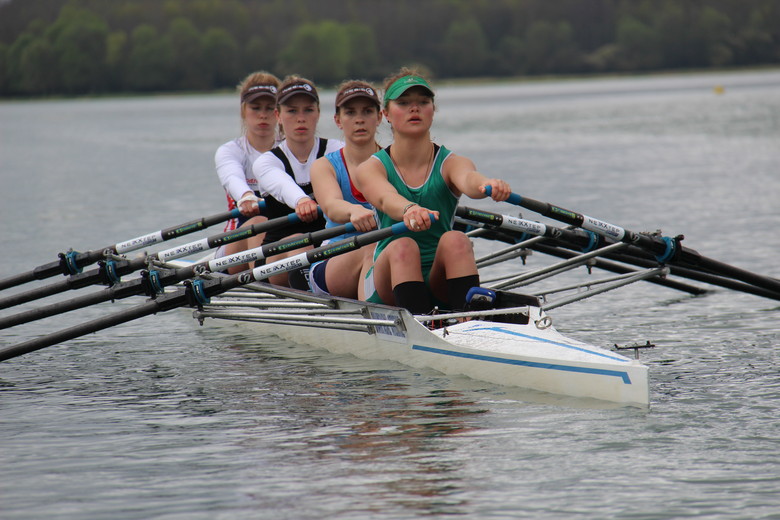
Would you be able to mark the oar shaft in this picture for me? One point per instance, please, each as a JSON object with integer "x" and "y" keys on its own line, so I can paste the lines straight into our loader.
{"x": 227, "y": 237}
{"x": 122, "y": 267}
{"x": 165, "y": 278}
{"x": 175, "y": 231}
{"x": 656, "y": 245}
{"x": 276, "y": 248}
{"x": 633, "y": 257}
{"x": 117, "y": 292}
{"x": 307, "y": 258}
{"x": 150, "y": 307}
{"x": 76, "y": 281}
{"x": 616, "y": 268}
{"x": 71, "y": 263}
{"x": 206, "y": 289}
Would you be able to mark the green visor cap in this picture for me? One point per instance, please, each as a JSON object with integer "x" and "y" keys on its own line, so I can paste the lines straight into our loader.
{"x": 403, "y": 84}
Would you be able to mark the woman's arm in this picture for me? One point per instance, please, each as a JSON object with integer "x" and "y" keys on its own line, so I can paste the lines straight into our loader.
{"x": 462, "y": 176}
{"x": 328, "y": 193}
{"x": 271, "y": 178}
{"x": 229, "y": 161}
{"x": 371, "y": 180}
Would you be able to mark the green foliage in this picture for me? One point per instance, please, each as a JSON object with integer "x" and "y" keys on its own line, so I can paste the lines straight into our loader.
{"x": 550, "y": 48}
{"x": 464, "y": 50}
{"x": 3, "y": 67}
{"x": 187, "y": 45}
{"x": 150, "y": 61}
{"x": 38, "y": 67}
{"x": 638, "y": 44}
{"x": 221, "y": 57}
{"x": 319, "y": 51}
{"x": 88, "y": 46}
{"x": 364, "y": 58}
{"x": 78, "y": 41}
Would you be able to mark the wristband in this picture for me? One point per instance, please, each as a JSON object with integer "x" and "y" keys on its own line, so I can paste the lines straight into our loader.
{"x": 248, "y": 197}
{"x": 406, "y": 208}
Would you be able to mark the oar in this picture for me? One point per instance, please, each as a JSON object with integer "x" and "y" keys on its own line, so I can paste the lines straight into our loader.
{"x": 153, "y": 282}
{"x": 583, "y": 241}
{"x": 197, "y": 292}
{"x": 666, "y": 250}
{"x": 633, "y": 257}
{"x": 110, "y": 271}
{"x": 523, "y": 227}
{"x": 72, "y": 262}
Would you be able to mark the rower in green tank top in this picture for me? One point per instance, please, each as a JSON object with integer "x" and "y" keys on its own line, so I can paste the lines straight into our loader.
{"x": 408, "y": 181}
{"x": 434, "y": 193}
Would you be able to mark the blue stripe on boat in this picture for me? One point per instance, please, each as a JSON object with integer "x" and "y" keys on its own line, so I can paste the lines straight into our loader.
{"x": 558, "y": 343}
{"x": 549, "y": 366}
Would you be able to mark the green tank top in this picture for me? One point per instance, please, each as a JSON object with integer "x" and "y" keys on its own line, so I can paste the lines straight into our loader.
{"x": 433, "y": 194}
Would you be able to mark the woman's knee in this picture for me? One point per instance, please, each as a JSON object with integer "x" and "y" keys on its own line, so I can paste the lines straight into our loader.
{"x": 403, "y": 250}
{"x": 456, "y": 243}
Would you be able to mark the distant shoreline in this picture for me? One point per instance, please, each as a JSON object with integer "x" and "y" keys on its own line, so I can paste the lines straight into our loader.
{"x": 440, "y": 82}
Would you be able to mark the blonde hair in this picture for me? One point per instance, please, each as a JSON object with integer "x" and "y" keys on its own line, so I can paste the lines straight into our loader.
{"x": 252, "y": 80}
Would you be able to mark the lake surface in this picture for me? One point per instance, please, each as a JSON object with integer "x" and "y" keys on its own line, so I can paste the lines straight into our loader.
{"x": 162, "y": 419}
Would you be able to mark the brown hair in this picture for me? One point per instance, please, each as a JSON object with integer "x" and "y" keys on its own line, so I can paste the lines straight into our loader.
{"x": 359, "y": 88}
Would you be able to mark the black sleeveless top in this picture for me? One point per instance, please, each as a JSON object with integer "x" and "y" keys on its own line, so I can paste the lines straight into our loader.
{"x": 275, "y": 208}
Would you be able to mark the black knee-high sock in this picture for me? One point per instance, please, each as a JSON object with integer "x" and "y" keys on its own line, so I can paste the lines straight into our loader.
{"x": 457, "y": 288}
{"x": 413, "y": 296}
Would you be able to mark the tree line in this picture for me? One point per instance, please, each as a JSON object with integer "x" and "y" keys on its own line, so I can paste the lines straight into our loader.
{"x": 76, "y": 47}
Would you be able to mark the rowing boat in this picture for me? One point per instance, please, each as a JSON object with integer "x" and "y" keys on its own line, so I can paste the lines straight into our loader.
{"x": 516, "y": 346}
{"x": 506, "y": 339}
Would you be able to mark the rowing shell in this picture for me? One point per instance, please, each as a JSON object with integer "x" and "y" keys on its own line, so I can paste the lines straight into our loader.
{"x": 524, "y": 351}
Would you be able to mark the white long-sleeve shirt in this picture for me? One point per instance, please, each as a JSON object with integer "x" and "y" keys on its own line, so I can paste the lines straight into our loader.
{"x": 270, "y": 177}
{"x": 234, "y": 161}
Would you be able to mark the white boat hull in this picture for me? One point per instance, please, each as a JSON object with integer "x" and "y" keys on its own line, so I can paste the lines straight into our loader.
{"x": 521, "y": 355}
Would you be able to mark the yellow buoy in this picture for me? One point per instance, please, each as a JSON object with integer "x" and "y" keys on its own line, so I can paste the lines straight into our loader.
{"x": 718, "y": 89}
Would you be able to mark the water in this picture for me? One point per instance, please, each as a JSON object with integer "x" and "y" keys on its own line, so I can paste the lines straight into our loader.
{"x": 160, "y": 418}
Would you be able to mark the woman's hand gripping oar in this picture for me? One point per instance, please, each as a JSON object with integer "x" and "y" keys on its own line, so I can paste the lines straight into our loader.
{"x": 197, "y": 292}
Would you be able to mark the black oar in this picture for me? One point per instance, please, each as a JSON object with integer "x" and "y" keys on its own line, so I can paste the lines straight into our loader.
{"x": 153, "y": 282}
{"x": 666, "y": 250}
{"x": 72, "y": 262}
{"x": 633, "y": 257}
{"x": 198, "y": 292}
{"x": 599, "y": 263}
{"x": 110, "y": 271}
{"x": 584, "y": 241}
